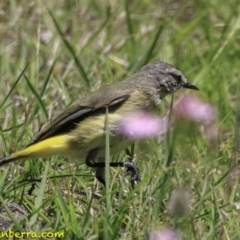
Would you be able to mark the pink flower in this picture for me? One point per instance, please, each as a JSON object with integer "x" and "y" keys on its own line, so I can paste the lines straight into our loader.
{"x": 193, "y": 108}
{"x": 210, "y": 131}
{"x": 179, "y": 203}
{"x": 142, "y": 125}
{"x": 164, "y": 234}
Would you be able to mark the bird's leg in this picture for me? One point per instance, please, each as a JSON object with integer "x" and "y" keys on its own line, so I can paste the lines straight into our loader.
{"x": 131, "y": 168}
{"x": 100, "y": 172}
{"x": 91, "y": 157}
{"x": 129, "y": 165}
{"x": 90, "y": 161}
{"x": 100, "y": 175}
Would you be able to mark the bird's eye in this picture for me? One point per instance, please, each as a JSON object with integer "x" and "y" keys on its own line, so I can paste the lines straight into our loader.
{"x": 177, "y": 77}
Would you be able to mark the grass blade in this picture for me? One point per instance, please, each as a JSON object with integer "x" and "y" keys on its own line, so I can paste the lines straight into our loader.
{"x": 71, "y": 50}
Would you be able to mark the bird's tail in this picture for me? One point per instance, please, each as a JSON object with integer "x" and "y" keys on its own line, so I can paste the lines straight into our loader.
{"x": 57, "y": 145}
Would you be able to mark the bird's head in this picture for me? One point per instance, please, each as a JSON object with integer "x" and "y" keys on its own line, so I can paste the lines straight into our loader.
{"x": 168, "y": 78}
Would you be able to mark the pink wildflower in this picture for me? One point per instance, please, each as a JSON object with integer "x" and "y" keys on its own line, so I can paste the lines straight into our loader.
{"x": 142, "y": 125}
{"x": 193, "y": 108}
{"x": 164, "y": 234}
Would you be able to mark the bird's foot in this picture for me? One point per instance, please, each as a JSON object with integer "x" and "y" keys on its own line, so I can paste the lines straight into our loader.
{"x": 132, "y": 169}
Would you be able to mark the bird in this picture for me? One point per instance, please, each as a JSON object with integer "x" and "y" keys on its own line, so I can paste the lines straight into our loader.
{"x": 79, "y": 131}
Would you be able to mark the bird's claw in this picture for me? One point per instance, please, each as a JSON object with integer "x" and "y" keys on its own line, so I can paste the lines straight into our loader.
{"x": 132, "y": 169}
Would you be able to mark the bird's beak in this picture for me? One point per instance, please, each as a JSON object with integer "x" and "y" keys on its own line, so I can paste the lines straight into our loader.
{"x": 190, "y": 86}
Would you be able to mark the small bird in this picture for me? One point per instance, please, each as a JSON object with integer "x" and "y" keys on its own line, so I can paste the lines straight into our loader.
{"x": 79, "y": 131}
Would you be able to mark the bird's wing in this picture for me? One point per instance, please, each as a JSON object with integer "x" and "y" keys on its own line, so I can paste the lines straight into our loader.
{"x": 108, "y": 95}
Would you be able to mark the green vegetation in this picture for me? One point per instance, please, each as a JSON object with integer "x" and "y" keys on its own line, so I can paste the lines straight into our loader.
{"x": 53, "y": 52}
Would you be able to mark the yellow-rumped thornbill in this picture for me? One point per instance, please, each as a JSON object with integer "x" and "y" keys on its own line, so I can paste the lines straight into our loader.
{"x": 79, "y": 131}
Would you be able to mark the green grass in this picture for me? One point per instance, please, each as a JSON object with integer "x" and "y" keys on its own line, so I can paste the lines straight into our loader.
{"x": 54, "y": 52}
